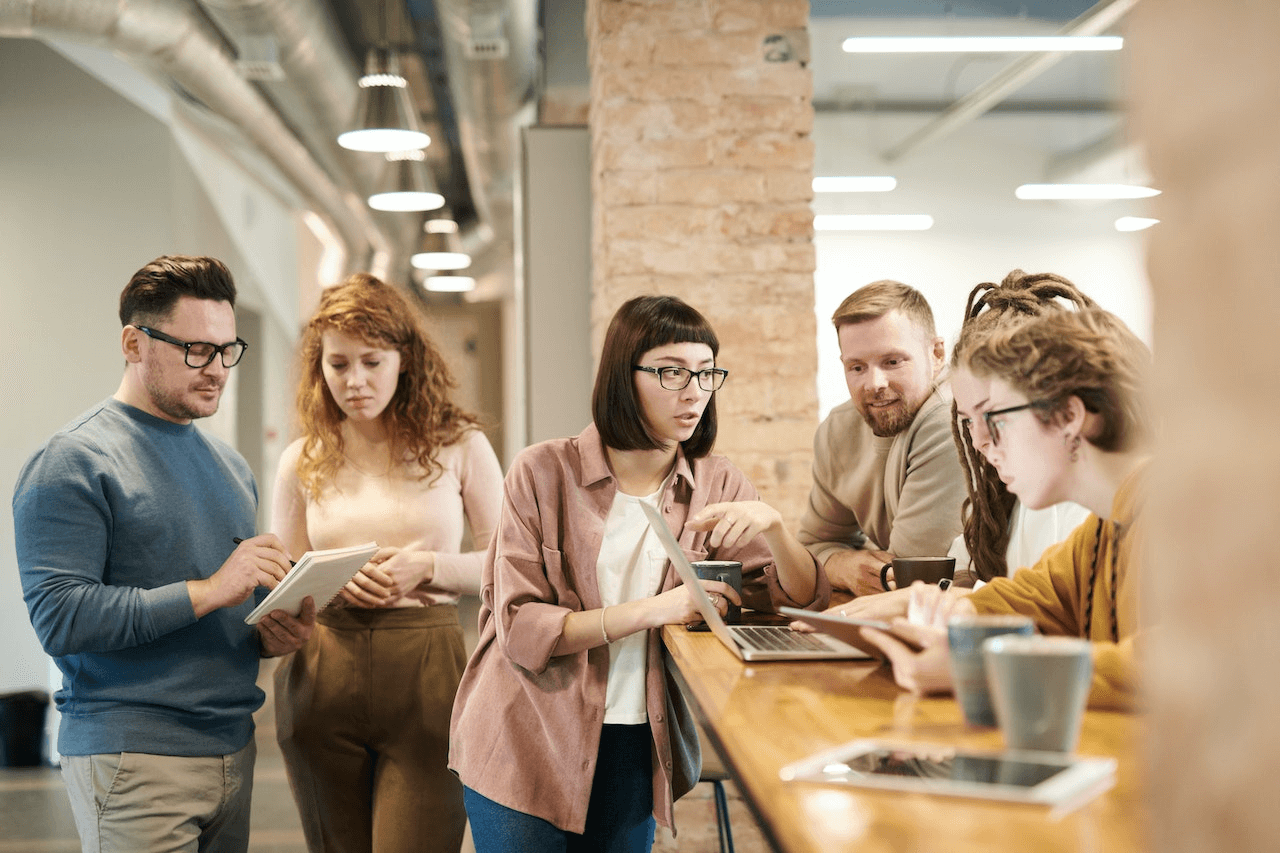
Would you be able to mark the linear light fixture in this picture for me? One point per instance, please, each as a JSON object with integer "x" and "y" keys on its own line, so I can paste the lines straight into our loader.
{"x": 980, "y": 44}
{"x": 854, "y": 184}
{"x": 872, "y": 222}
{"x": 1083, "y": 191}
{"x": 1135, "y": 223}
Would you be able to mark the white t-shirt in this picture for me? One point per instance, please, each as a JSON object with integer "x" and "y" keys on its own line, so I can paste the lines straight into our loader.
{"x": 1031, "y": 531}
{"x": 629, "y": 567}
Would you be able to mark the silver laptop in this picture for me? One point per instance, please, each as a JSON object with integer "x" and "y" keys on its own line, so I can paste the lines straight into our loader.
{"x": 749, "y": 642}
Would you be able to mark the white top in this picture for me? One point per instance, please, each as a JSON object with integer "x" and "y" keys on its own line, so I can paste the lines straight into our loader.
{"x": 629, "y": 567}
{"x": 1031, "y": 531}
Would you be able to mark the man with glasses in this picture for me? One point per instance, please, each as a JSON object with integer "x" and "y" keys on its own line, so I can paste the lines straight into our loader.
{"x": 125, "y": 524}
{"x": 887, "y": 480}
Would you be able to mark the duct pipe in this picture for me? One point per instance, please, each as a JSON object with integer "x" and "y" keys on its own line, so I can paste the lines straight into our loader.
{"x": 174, "y": 37}
{"x": 490, "y": 51}
{"x": 1096, "y": 20}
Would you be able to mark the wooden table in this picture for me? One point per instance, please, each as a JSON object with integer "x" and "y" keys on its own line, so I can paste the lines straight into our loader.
{"x": 763, "y": 716}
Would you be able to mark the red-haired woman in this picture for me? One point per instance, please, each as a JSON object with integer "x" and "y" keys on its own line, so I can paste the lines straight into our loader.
{"x": 385, "y": 455}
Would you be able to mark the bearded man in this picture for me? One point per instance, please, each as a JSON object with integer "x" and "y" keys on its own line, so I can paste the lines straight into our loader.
{"x": 886, "y": 475}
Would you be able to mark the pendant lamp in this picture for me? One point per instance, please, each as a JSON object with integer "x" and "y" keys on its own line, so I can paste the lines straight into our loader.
{"x": 440, "y": 249}
{"x": 406, "y": 184}
{"x": 385, "y": 118}
{"x": 449, "y": 282}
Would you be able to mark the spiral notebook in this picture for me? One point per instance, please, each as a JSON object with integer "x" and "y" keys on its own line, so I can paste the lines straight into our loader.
{"x": 319, "y": 574}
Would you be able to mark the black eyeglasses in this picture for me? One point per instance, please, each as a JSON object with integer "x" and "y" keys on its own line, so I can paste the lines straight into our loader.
{"x": 200, "y": 353}
{"x": 678, "y": 378}
{"x": 994, "y": 426}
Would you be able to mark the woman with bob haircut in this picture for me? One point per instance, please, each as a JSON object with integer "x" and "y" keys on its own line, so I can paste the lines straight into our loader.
{"x": 564, "y": 731}
{"x": 1061, "y": 414}
{"x": 362, "y": 710}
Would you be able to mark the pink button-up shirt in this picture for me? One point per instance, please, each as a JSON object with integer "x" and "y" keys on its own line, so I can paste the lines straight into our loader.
{"x": 526, "y": 726}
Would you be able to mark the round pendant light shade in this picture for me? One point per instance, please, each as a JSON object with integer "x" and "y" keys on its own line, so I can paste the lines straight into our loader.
{"x": 439, "y": 249}
{"x": 449, "y": 282}
{"x": 385, "y": 118}
{"x": 406, "y": 184}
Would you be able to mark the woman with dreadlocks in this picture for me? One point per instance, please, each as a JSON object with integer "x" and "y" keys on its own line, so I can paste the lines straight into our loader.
{"x": 1000, "y": 533}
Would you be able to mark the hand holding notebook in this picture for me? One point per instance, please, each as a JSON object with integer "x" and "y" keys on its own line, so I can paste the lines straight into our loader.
{"x": 319, "y": 574}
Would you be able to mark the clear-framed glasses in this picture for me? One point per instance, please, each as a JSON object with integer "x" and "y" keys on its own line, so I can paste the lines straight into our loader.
{"x": 995, "y": 423}
{"x": 678, "y": 378}
{"x": 201, "y": 353}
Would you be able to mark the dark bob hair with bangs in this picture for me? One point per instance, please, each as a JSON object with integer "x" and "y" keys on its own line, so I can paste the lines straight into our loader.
{"x": 640, "y": 325}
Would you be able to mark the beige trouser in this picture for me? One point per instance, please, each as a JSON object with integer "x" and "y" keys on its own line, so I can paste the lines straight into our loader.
{"x": 131, "y": 801}
{"x": 362, "y": 716}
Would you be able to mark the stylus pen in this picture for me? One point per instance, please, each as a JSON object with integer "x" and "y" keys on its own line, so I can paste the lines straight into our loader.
{"x": 238, "y": 540}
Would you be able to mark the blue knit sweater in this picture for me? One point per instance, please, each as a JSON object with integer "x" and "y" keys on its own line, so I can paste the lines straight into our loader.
{"x": 111, "y": 518}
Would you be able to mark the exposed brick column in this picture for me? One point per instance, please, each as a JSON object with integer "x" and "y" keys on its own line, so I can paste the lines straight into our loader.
{"x": 701, "y": 178}
{"x": 1204, "y": 84}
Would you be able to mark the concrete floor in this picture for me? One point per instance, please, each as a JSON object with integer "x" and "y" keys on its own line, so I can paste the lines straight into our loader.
{"x": 35, "y": 816}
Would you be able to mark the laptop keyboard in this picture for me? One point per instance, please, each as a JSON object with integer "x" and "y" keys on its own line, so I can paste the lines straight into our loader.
{"x": 777, "y": 638}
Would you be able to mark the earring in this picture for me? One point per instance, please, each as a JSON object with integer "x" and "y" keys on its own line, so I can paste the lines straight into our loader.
{"x": 1075, "y": 449}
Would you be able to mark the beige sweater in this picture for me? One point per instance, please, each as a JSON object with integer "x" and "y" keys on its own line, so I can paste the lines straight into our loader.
{"x": 403, "y": 512}
{"x": 902, "y": 493}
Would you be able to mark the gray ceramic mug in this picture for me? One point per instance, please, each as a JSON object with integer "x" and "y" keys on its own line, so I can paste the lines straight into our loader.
{"x": 1039, "y": 686}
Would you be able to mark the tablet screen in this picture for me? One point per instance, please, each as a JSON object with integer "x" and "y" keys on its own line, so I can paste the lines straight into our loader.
{"x": 957, "y": 768}
{"x": 1020, "y": 776}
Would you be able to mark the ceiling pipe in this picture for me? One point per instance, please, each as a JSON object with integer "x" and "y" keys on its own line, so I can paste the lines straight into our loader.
{"x": 175, "y": 38}
{"x": 1097, "y": 19}
{"x": 490, "y": 52}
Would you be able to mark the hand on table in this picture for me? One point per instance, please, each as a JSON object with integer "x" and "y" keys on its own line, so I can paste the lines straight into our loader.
{"x": 857, "y": 571}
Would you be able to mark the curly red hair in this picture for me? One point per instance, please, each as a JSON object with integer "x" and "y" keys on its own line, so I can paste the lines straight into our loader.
{"x": 421, "y": 417}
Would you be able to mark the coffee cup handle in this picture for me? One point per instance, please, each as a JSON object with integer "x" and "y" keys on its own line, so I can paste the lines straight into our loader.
{"x": 884, "y": 576}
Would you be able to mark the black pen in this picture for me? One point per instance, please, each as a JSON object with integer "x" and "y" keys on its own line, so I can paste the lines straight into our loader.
{"x": 238, "y": 540}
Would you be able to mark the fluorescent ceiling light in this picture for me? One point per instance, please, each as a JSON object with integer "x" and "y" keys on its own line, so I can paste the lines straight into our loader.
{"x": 872, "y": 222}
{"x": 1083, "y": 191}
{"x": 855, "y": 184}
{"x": 1135, "y": 223}
{"x": 979, "y": 44}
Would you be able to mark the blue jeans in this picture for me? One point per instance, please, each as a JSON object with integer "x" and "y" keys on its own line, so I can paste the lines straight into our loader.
{"x": 619, "y": 816}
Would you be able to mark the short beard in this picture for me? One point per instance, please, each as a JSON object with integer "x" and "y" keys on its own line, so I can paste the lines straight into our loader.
{"x": 890, "y": 421}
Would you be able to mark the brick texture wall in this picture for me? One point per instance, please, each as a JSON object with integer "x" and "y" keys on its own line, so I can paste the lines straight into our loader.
{"x": 701, "y": 179}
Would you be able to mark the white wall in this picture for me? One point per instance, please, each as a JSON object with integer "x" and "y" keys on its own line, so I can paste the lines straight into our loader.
{"x": 91, "y": 188}
{"x": 981, "y": 232}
